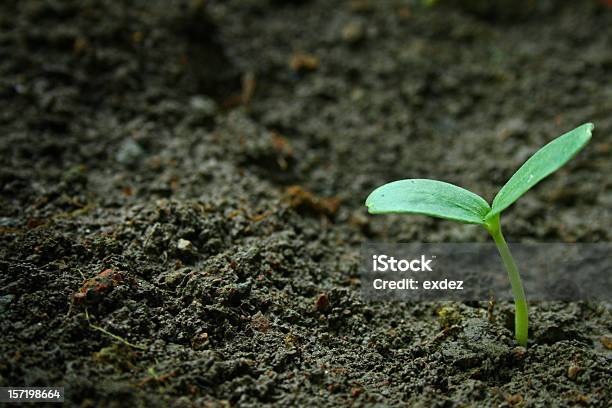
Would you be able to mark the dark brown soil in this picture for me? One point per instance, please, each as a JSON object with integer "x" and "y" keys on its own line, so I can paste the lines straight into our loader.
{"x": 191, "y": 175}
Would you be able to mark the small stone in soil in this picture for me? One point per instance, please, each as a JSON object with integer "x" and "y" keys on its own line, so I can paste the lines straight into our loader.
{"x": 573, "y": 371}
{"x": 322, "y": 302}
{"x": 184, "y": 244}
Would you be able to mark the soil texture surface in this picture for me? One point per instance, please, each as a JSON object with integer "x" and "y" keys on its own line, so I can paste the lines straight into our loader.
{"x": 182, "y": 190}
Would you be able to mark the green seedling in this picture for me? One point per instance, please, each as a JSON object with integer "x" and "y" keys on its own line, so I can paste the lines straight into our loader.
{"x": 444, "y": 200}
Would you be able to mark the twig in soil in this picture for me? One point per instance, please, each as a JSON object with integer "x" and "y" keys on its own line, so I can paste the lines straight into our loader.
{"x": 444, "y": 333}
{"x": 491, "y": 309}
{"x": 114, "y": 336}
{"x": 154, "y": 376}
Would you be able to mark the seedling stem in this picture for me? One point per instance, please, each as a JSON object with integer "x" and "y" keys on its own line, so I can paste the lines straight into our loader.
{"x": 521, "y": 325}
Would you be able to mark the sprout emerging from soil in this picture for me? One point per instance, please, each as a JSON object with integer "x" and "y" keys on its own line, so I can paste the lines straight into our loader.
{"x": 444, "y": 200}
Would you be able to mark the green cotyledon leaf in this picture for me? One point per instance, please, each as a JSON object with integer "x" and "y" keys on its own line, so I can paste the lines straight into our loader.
{"x": 544, "y": 162}
{"x": 428, "y": 197}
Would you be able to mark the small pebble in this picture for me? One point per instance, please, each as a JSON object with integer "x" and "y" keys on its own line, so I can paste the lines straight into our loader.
{"x": 606, "y": 341}
{"x": 353, "y": 32}
{"x": 519, "y": 353}
{"x": 184, "y": 244}
{"x": 129, "y": 152}
{"x": 322, "y": 302}
{"x": 203, "y": 105}
{"x": 573, "y": 371}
